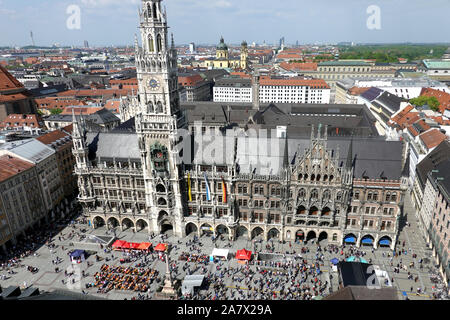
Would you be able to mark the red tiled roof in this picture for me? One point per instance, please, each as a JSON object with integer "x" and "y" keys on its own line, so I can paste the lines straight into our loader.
{"x": 7, "y": 81}
{"x": 297, "y": 66}
{"x": 95, "y": 92}
{"x": 189, "y": 81}
{"x": 241, "y": 74}
{"x": 432, "y": 138}
{"x": 20, "y": 120}
{"x": 289, "y": 56}
{"x": 13, "y": 97}
{"x": 68, "y": 128}
{"x": 53, "y": 102}
{"x": 81, "y": 110}
{"x": 356, "y": 91}
{"x": 10, "y": 166}
{"x": 51, "y": 137}
{"x": 113, "y": 105}
{"x": 314, "y": 83}
{"x": 442, "y": 97}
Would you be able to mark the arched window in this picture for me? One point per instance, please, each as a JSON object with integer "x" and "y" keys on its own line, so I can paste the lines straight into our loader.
{"x": 159, "y": 107}
{"x": 388, "y": 197}
{"x": 150, "y": 107}
{"x": 149, "y": 10}
{"x": 339, "y": 196}
{"x": 154, "y": 11}
{"x": 302, "y": 194}
{"x": 151, "y": 46}
{"x": 314, "y": 194}
{"x": 394, "y": 197}
{"x": 326, "y": 195}
{"x": 159, "y": 43}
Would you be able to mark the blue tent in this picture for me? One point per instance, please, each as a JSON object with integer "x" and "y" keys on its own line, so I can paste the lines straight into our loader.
{"x": 334, "y": 261}
{"x": 77, "y": 254}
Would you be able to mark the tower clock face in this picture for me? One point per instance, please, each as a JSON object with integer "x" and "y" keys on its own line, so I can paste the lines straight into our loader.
{"x": 153, "y": 84}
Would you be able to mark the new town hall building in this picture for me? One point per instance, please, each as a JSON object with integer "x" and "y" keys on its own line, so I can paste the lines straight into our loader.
{"x": 320, "y": 173}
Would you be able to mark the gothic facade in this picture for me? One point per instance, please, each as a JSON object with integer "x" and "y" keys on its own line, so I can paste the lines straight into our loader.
{"x": 297, "y": 190}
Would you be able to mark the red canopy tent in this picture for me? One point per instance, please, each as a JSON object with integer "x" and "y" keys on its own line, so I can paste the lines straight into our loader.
{"x": 244, "y": 255}
{"x": 161, "y": 247}
{"x": 119, "y": 244}
{"x": 144, "y": 246}
{"x": 135, "y": 245}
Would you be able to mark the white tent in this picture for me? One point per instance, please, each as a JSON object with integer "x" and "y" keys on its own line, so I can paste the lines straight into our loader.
{"x": 220, "y": 253}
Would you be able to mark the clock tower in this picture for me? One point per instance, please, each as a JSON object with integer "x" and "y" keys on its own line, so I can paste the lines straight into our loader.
{"x": 158, "y": 117}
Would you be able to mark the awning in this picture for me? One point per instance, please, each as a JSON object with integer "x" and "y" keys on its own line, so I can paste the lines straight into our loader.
{"x": 220, "y": 253}
{"x": 118, "y": 244}
{"x": 144, "y": 246}
{"x": 350, "y": 239}
{"x": 367, "y": 241}
{"x": 135, "y": 245}
{"x": 385, "y": 242}
{"x": 351, "y": 259}
{"x": 161, "y": 247}
{"x": 244, "y": 255}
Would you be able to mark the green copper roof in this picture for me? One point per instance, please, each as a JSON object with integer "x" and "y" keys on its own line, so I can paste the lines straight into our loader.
{"x": 436, "y": 64}
{"x": 222, "y": 45}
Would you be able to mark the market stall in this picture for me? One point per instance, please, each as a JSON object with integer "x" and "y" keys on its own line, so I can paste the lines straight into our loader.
{"x": 119, "y": 244}
{"x": 161, "y": 247}
{"x": 244, "y": 255}
{"x": 78, "y": 256}
{"x": 220, "y": 253}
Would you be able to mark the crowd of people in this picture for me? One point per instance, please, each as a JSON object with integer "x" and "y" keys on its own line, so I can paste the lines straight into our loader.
{"x": 123, "y": 278}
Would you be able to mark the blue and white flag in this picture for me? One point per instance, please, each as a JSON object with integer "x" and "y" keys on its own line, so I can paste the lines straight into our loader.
{"x": 208, "y": 193}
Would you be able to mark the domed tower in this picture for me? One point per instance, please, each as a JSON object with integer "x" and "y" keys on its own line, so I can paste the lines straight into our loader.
{"x": 244, "y": 55}
{"x": 222, "y": 50}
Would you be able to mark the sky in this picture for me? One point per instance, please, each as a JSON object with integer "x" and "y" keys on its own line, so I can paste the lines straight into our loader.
{"x": 114, "y": 22}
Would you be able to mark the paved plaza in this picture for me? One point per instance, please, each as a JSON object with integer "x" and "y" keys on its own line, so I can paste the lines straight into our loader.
{"x": 240, "y": 282}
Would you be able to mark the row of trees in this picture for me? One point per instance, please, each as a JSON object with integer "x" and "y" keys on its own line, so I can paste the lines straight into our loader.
{"x": 391, "y": 53}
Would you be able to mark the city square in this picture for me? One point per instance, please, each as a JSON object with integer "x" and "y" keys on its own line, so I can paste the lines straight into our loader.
{"x": 183, "y": 167}
{"x": 226, "y": 279}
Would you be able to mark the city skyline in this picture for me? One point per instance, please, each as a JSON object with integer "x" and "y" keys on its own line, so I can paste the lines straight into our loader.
{"x": 205, "y": 22}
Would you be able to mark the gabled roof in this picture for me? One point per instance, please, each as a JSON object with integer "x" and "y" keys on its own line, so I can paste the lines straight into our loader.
{"x": 10, "y": 166}
{"x": 439, "y": 154}
{"x": 432, "y": 138}
{"x": 7, "y": 81}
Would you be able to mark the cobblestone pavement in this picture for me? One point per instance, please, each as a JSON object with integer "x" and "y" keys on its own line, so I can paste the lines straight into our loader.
{"x": 47, "y": 279}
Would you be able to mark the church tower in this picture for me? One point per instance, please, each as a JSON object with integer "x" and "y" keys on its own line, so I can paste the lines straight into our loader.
{"x": 158, "y": 116}
{"x": 244, "y": 55}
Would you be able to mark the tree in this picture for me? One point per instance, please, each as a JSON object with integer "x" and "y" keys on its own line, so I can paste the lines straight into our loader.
{"x": 56, "y": 111}
{"x": 432, "y": 102}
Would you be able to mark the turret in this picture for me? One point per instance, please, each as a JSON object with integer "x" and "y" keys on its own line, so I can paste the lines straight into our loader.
{"x": 255, "y": 90}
